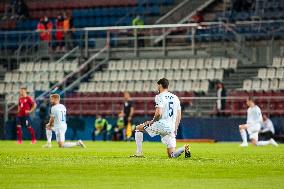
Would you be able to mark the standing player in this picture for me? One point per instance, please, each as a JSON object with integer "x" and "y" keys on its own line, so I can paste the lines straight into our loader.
{"x": 253, "y": 125}
{"x": 57, "y": 123}
{"x": 165, "y": 122}
{"x": 26, "y": 105}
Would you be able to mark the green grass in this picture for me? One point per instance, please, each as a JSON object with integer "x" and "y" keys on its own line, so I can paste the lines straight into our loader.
{"x": 107, "y": 165}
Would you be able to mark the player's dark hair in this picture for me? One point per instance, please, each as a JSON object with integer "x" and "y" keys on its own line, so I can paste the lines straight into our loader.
{"x": 250, "y": 98}
{"x": 164, "y": 83}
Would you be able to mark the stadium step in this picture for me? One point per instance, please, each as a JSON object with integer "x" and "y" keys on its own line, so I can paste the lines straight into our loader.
{"x": 235, "y": 80}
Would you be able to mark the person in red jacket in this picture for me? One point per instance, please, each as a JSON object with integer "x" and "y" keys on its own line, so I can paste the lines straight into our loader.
{"x": 44, "y": 28}
{"x": 59, "y": 35}
{"x": 26, "y": 106}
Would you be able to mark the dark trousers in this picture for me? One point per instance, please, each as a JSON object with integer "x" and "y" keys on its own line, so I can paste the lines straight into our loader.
{"x": 265, "y": 136}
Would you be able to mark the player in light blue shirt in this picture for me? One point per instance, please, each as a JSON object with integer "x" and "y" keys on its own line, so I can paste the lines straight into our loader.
{"x": 253, "y": 125}
{"x": 57, "y": 123}
{"x": 165, "y": 122}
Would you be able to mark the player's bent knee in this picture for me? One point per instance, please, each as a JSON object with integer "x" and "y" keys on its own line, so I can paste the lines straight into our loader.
{"x": 254, "y": 142}
{"x": 170, "y": 151}
{"x": 242, "y": 127}
{"x": 60, "y": 144}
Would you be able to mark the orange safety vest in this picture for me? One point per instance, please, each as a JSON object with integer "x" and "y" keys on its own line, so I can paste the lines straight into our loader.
{"x": 66, "y": 25}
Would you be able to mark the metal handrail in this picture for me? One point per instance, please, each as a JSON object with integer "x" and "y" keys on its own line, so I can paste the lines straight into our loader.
{"x": 77, "y": 82}
{"x": 181, "y": 98}
{"x": 171, "y": 11}
{"x": 67, "y": 54}
{"x": 55, "y": 86}
{"x": 160, "y": 38}
{"x": 40, "y": 73}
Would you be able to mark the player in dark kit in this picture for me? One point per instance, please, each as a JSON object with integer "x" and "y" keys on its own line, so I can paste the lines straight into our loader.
{"x": 26, "y": 105}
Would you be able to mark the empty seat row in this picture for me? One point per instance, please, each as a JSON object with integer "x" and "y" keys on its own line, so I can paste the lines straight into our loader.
{"x": 13, "y": 98}
{"x": 153, "y": 75}
{"x": 264, "y": 73}
{"x": 8, "y": 88}
{"x": 46, "y": 66}
{"x": 33, "y": 77}
{"x": 265, "y": 85}
{"x": 150, "y": 64}
{"x": 145, "y": 86}
{"x": 71, "y": 4}
{"x": 278, "y": 62}
{"x": 119, "y": 11}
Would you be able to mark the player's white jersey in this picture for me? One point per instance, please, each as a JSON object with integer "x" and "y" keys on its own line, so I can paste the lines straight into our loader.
{"x": 170, "y": 105}
{"x": 58, "y": 111}
{"x": 254, "y": 115}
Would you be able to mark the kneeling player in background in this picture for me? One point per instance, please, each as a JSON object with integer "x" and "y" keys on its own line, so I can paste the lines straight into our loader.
{"x": 165, "y": 122}
{"x": 57, "y": 123}
{"x": 253, "y": 125}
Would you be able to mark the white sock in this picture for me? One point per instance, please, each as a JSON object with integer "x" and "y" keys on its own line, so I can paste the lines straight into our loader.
{"x": 48, "y": 135}
{"x": 244, "y": 135}
{"x": 263, "y": 143}
{"x": 139, "y": 140}
{"x": 177, "y": 153}
{"x": 70, "y": 144}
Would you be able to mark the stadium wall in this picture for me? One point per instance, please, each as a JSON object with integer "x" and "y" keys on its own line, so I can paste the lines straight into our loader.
{"x": 219, "y": 129}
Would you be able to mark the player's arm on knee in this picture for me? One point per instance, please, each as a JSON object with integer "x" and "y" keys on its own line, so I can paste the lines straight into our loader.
{"x": 157, "y": 116}
{"x": 140, "y": 127}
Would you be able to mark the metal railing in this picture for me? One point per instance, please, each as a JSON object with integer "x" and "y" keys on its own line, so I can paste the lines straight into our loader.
{"x": 192, "y": 106}
{"x": 115, "y": 36}
{"x": 138, "y": 39}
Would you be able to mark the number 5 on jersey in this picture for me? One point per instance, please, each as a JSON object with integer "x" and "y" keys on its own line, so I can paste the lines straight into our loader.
{"x": 171, "y": 109}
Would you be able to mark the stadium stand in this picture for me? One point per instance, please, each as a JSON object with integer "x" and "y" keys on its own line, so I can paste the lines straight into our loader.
{"x": 268, "y": 79}
{"x": 85, "y": 13}
{"x": 191, "y": 76}
{"x": 186, "y": 74}
{"x": 138, "y": 76}
{"x": 37, "y": 76}
{"x": 269, "y": 82}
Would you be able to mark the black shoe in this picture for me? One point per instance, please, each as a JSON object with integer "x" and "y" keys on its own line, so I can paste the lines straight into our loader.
{"x": 187, "y": 153}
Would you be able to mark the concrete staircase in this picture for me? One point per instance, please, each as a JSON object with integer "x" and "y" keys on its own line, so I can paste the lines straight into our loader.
{"x": 232, "y": 81}
{"x": 181, "y": 12}
{"x": 2, "y": 73}
{"x": 235, "y": 79}
{"x": 164, "y": 10}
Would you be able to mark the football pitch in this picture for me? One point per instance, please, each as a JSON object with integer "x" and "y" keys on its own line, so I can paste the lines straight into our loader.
{"x": 107, "y": 165}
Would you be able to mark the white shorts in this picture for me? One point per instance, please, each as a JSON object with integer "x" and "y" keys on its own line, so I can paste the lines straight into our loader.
{"x": 167, "y": 136}
{"x": 253, "y": 130}
{"x": 60, "y": 134}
